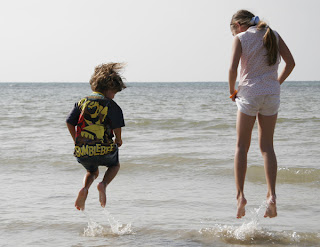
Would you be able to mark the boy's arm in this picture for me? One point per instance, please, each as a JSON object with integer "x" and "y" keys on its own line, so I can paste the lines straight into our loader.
{"x": 72, "y": 120}
{"x": 72, "y": 131}
{"x": 117, "y": 133}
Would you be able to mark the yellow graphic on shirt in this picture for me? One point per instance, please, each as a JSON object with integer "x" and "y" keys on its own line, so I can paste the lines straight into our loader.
{"x": 94, "y": 116}
{"x": 93, "y": 130}
{"x": 98, "y": 149}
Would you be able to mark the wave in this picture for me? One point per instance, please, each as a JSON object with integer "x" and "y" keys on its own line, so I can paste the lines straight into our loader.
{"x": 176, "y": 164}
{"x": 248, "y": 233}
{"x": 299, "y": 175}
{"x": 222, "y": 168}
{"x": 298, "y": 120}
{"x": 253, "y": 233}
{"x": 178, "y": 123}
{"x": 286, "y": 175}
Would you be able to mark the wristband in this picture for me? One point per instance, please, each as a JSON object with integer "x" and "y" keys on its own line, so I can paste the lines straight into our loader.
{"x": 234, "y": 93}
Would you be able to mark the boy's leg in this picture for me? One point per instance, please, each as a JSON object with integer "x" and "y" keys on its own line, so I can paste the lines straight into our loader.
{"x": 109, "y": 175}
{"x": 245, "y": 125}
{"x": 82, "y": 196}
{"x": 266, "y": 130}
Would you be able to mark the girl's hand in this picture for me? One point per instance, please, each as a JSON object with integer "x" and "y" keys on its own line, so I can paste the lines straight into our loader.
{"x": 233, "y": 95}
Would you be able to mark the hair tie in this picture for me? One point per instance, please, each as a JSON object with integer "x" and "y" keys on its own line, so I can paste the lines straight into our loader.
{"x": 255, "y": 20}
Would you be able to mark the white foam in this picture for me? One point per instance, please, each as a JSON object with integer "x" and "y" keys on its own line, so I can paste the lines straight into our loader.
{"x": 95, "y": 229}
{"x": 116, "y": 226}
{"x": 250, "y": 232}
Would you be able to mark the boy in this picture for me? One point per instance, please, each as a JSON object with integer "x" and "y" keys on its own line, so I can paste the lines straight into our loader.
{"x": 92, "y": 123}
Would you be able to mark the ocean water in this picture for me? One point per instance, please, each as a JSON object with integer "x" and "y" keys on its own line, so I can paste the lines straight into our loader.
{"x": 175, "y": 186}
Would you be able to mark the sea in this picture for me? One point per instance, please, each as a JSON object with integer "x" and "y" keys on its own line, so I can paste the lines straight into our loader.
{"x": 176, "y": 185}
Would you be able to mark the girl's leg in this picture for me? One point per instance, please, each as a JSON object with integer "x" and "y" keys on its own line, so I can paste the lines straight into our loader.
{"x": 108, "y": 177}
{"x": 266, "y": 131}
{"x": 82, "y": 196}
{"x": 245, "y": 125}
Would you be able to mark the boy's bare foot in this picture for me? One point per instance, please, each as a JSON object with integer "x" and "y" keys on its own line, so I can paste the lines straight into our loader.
{"x": 81, "y": 199}
{"x": 271, "y": 210}
{"x": 102, "y": 194}
{"x": 241, "y": 211}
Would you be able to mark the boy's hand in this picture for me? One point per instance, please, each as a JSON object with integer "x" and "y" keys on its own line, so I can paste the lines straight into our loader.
{"x": 118, "y": 141}
{"x": 72, "y": 131}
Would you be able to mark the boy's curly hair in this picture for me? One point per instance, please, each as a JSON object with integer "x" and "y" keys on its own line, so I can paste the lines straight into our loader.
{"x": 107, "y": 77}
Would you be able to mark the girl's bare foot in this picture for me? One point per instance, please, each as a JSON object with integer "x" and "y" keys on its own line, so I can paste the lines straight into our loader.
{"x": 271, "y": 210}
{"x": 102, "y": 194}
{"x": 81, "y": 199}
{"x": 241, "y": 211}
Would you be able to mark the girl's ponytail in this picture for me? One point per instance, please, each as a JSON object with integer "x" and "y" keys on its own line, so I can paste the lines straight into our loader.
{"x": 270, "y": 42}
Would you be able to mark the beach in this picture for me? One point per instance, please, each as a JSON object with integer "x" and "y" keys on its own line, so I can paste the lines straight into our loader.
{"x": 175, "y": 186}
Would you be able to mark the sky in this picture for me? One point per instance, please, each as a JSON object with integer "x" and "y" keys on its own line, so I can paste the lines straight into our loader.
{"x": 159, "y": 40}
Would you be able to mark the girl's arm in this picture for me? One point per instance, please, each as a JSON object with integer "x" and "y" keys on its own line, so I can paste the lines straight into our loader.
{"x": 235, "y": 58}
{"x": 117, "y": 133}
{"x": 72, "y": 131}
{"x": 288, "y": 58}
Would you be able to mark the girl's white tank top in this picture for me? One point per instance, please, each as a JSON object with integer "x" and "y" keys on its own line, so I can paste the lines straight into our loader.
{"x": 256, "y": 76}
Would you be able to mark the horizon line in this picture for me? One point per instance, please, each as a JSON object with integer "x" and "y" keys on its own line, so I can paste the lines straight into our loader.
{"x": 141, "y": 81}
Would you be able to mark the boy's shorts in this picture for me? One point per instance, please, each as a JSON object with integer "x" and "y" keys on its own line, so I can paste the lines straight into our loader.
{"x": 266, "y": 105}
{"x": 92, "y": 163}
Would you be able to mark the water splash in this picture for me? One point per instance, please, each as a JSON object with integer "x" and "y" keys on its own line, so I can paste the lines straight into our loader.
{"x": 251, "y": 232}
{"x": 116, "y": 226}
{"x": 251, "y": 228}
{"x": 94, "y": 229}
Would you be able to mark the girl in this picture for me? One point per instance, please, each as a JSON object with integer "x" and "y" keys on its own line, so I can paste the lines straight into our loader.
{"x": 258, "y": 94}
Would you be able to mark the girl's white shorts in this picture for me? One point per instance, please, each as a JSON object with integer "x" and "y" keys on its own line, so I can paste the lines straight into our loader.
{"x": 266, "y": 105}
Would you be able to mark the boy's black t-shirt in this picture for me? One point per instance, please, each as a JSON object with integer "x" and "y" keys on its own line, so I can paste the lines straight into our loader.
{"x": 114, "y": 114}
{"x": 95, "y": 117}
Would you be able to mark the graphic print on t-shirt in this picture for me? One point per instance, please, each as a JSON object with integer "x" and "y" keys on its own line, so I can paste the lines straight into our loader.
{"x": 93, "y": 131}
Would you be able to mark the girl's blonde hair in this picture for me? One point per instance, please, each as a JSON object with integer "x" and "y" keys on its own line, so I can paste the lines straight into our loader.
{"x": 244, "y": 17}
{"x": 107, "y": 77}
